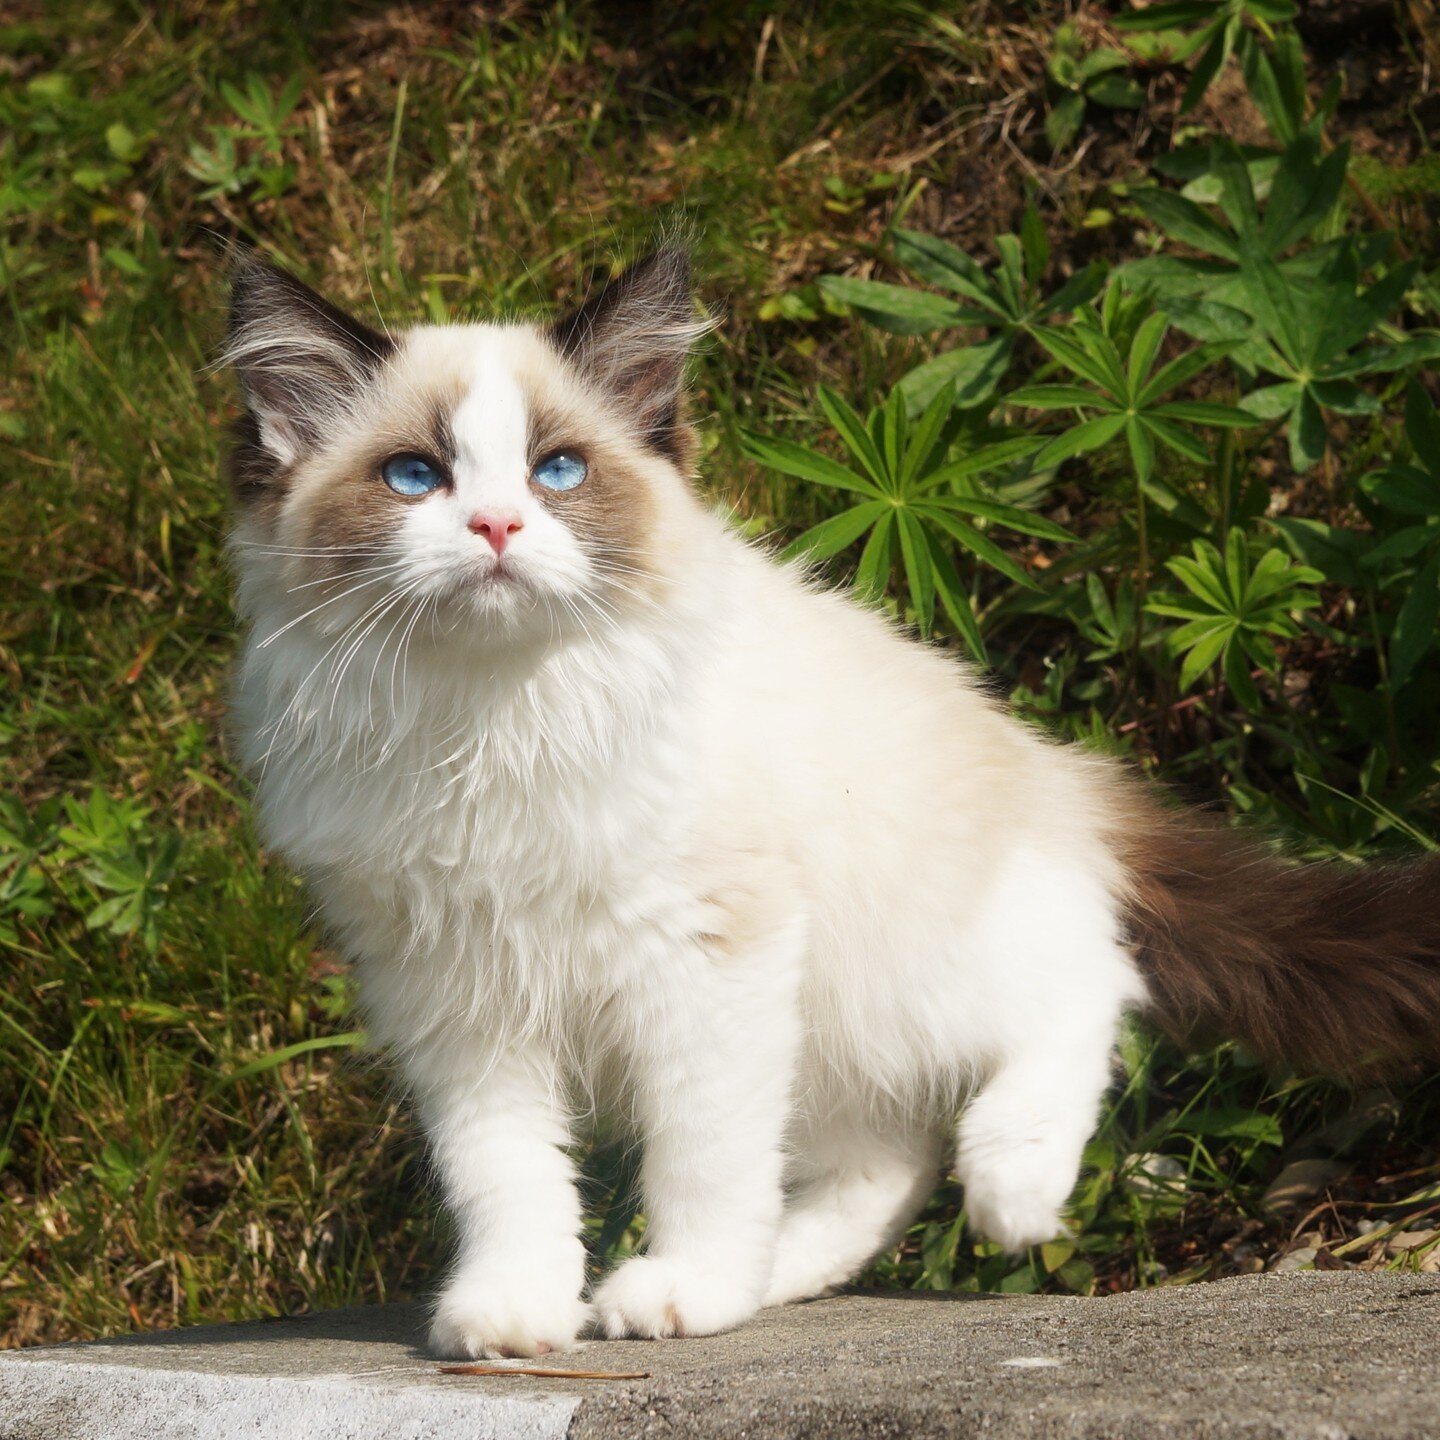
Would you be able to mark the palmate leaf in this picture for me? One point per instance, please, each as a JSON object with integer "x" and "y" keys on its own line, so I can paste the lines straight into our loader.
{"x": 955, "y": 601}
{"x": 1231, "y": 608}
{"x": 1088, "y": 435}
{"x": 837, "y": 533}
{"x": 1059, "y": 397}
{"x": 944, "y": 264}
{"x": 1202, "y": 412}
{"x": 791, "y": 459}
{"x": 972, "y": 539}
{"x": 899, "y": 308}
{"x": 1187, "y": 222}
{"x": 1000, "y": 455}
{"x": 1415, "y": 625}
{"x": 1412, "y": 489}
{"x": 877, "y": 558}
{"x": 919, "y": 572}
{"x": 1142, "y": 449}
{"x": 1009, "y": 516}
{"x": 854, "y": 432}
{"x": 973, "y": 372}
{"x": 1401, "y": 546}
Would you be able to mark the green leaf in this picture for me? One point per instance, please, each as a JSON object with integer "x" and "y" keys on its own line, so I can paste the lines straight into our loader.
{"x": 1058, "y": 397}
{"x": 1118, "y": 92}
{"x": 1205, "y": 649}
{"x": 283, "y": 1056}
{"x": 898, "y": 308}
{"x": 919, "y": 574}
{"x": 858, "y": 440}
{"x": 839, "y": 532}
{"x": 1142, "y": 449}
{"x": 1143, "y": 349}
{"x": 873, "y": 572}
{"x": 976, "y": 543}
{"x": 1087, "y": 436}
{"x": 955, "y": 600}
{"x": 1404, "y": 489}
{"x": 1302, "y": 193}
{"x": 1224, "y": 1122}
{"x": 1387, "y": 357}
{"x": 1204, "y": 412}
{"x": 1422, "y": 425}
{"x": 1007, "y": 515}
{"x": 1180, "y": 371}
{"x": 1344, "y": 397}
{"x": 998, "y": 456}
{"x": 1272, "y": 301}
{"x": 804, "y": 464}
{"x": 1170, "y": 16}
{"x": 1075, "y": 355}
{"x": 1187, "y": 222}
{"x": 942, "y": 264}
{"x": 1207, "y": 68}
{"x": 926, "y": 436}
{"x": 1273, "y": 401}
{"x": 1335, "y": 551}
{"x": 1307, "y": 433}
{"x": 1036, "y": 245}
{"x": 1062, "y": 124}
{"x": 1414, "y": 632}
{"x": 1082, "y": 286}
{"x": 1401, "y": 546}
{"x": 974, "y": 370}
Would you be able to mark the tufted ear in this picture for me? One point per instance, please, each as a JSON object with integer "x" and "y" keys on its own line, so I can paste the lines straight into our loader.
{"x": 633, "y": 338}
{"x": 300, "y": 359}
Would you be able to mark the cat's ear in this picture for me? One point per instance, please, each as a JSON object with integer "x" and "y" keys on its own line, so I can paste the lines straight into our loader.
{"x": 300, "y": 359}
{"x": 633, "y": 339}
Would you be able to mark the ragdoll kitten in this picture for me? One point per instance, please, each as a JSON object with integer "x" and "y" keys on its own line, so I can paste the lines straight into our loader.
{"x": 614, "y": 814}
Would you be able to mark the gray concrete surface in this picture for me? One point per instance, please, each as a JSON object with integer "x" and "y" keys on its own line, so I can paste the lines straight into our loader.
{"x": 1294, "y": 1357}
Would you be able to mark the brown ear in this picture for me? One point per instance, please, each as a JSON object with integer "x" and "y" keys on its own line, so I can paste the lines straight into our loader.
{"x": 633, "y": 339}
{"x": 300, "y": 359}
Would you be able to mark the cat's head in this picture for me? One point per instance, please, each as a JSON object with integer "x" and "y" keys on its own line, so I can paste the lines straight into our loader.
{"x": 505, "y": 481}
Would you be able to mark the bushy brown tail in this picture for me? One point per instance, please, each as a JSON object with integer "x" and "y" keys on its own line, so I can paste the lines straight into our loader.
{"x": 1331, "y": 967}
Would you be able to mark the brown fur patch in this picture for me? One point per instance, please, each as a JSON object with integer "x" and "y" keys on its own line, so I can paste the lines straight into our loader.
{"x": 611, "y": 513}
{"x": 344, "y": 510}
{"x": 632, "y": 340}
{"x": 1330, "y": 967}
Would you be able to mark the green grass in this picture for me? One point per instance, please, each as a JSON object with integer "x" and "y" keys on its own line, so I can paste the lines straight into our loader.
{"x": 186, "y": 1130}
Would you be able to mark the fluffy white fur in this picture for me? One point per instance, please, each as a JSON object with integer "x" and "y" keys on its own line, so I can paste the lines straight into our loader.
{"x": 715, "y": 852}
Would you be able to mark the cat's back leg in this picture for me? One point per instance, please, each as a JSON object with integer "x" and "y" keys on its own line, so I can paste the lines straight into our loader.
{"x": 1059, "y": 982}
{"x": 857, "y": 1181}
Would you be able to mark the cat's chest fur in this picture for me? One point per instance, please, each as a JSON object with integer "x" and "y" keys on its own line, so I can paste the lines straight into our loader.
{"x": 475, "y": 846}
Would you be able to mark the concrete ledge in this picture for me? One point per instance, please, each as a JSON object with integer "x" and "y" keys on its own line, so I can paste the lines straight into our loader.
{"x": 1301, "y": 1356}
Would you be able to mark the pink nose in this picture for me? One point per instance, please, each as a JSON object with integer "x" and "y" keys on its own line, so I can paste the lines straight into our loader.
{"x": 497, "y": 528}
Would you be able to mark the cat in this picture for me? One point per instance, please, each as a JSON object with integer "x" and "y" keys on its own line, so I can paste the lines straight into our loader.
{"x": 616, "y": 815}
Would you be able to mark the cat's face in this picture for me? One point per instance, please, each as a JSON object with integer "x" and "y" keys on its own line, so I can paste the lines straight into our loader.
{"x": 501, "y": 483}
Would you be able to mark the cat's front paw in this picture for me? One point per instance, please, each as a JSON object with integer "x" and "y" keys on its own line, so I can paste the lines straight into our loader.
{"x": 654, "y": 1298}
{"x": 1016, "y": 1204}
{"x": 505, "y": 1314}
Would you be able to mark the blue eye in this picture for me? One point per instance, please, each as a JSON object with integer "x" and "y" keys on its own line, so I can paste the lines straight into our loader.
{"x": 561, "y": 471}
{"x": 411, "y": 475}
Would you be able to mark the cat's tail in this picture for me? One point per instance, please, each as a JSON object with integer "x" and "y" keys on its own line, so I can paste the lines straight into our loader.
{"x": 1330, "y": 967}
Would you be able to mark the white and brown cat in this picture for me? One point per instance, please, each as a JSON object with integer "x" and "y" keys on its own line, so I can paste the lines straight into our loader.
{"x": 616, "y": 815}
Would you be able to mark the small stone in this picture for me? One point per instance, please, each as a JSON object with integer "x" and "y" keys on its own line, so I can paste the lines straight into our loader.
{"x": 1301, "y": 1181}
{"x": 1408, "y": 1240}
{"x": 1301, "y": 1259}
{"x": 1157, "y": 1175}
